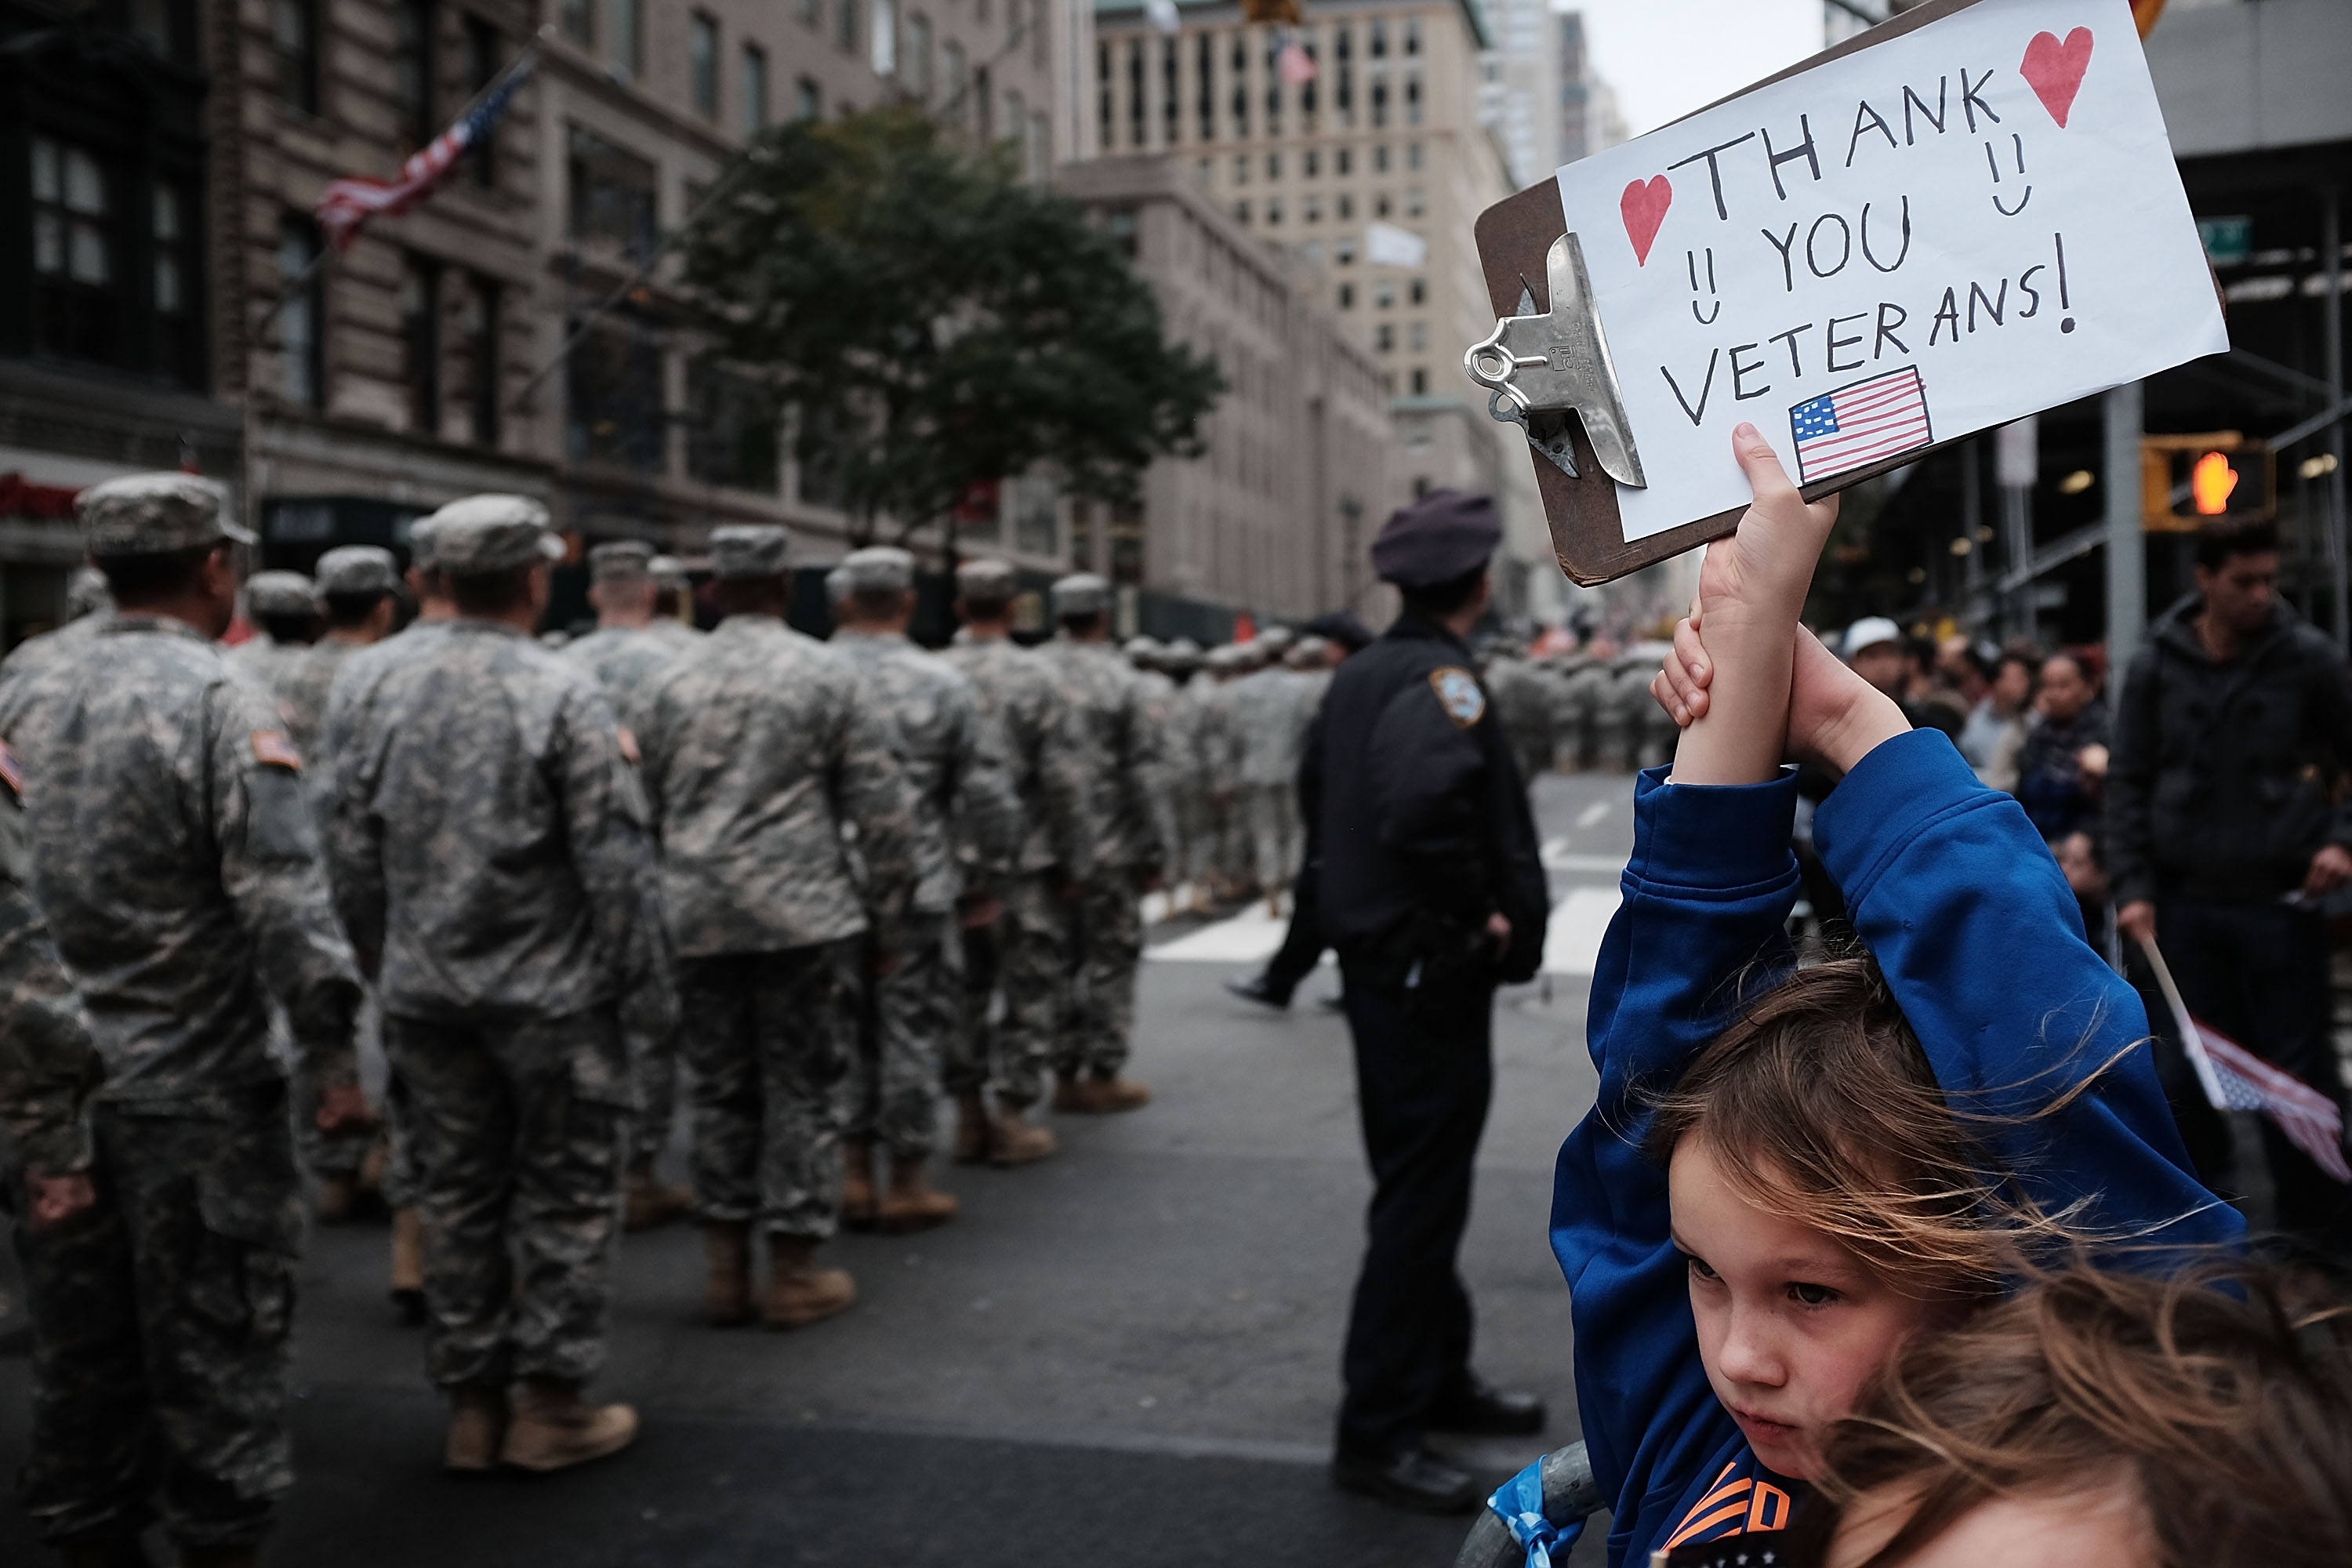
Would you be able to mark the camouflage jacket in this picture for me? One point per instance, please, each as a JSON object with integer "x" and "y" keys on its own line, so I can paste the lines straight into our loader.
{"x": 48, "y": 1066}
{"x": 175, "y": 856}
{"x": 625, "y": 660}
{"x": 1022, "y": 702}
{"x": 265, "y": 659}
{"x": 350, "y": 700}
{"x": 1267, "y": 739}
{"x": 759, "y": 746}
{"x": 965, "y": 811}
{"x": 1118, "y": 746}
{"x": 676, "y": 634}
{"x": 489, "y": 839}
{"x": 303, "y": 685}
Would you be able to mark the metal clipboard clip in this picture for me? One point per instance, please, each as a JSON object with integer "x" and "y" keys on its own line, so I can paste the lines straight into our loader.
{"x": 1541, "y": 368}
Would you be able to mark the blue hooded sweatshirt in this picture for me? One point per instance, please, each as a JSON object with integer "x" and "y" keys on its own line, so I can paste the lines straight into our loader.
{"x": 1960, "y": 904}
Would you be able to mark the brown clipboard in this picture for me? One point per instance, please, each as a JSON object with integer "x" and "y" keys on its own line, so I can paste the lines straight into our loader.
{"x": 1513, "y": 237}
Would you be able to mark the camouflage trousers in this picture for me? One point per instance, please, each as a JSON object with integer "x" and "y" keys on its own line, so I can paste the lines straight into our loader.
{"x": 655, "y": 1063}
{"x": 1270, "y": 811}
{"x": 1023, "y": 958}
{"x": 517, "y": 1130}
{"x": 1105, "y": 946}
{"x": 770, "y": 1038}
{"x": 161, "y": 1321}
{"x": 894, "y": 1087}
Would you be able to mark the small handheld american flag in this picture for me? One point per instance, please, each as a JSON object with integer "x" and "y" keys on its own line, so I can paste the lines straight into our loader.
{"x": 1844, "y": 430}
{"x": 348, "y": 203}
{"x": 2234, "y": 1079}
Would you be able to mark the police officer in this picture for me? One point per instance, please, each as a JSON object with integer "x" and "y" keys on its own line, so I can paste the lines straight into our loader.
{"x": 1431, "y": 891}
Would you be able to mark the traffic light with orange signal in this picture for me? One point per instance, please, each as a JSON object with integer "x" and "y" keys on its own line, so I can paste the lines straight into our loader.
{"x": 2219, "y": 476}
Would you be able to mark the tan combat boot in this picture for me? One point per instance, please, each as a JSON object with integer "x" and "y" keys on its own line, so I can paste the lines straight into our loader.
{"x": 1069, "y": 1094}
{"x": 727, "y": 1298}
{"x": 652, "y": 1202}
{"x": 972, "y": 1128}
{"x": 912, "y": 1203}
{"x": 857, "y": 1200}
{"x": 553, "y": 1428}
{"x": 478, "y": 1424}
{"x": 408, "y": 1288}
{"x": 1011, "y": 1141}
{"x": 1105, "y": 1094}
{"x": 799, "y": 1292}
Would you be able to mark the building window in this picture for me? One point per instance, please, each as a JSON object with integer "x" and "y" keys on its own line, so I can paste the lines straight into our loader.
{"x": 1343, "y": 90}
{"x": 1418, "y": 290}
{"x": 951, "y": 84}
{"x": 807, "y": 102}
{"x": 613, "y": 396}
{"x": 1343, "y": 162}
{"x": 1241, "y": 211}
{"x": 702, "y": 64}
{"x": 1379, "y": 102}
{"x": 1381, "y": 204}
{"x": 1384, "y": 337}
{"x": 845, "y": 23}
{"x": 984, "y": 105}
{"x": 1274, "y": 165}
{"x": 1347, "y": 296}
{"x": 294, "y": 33}
{"x": 733, "y": 435}
{"x": 883, "y": 54}
{"x": 1204, "y": 174}
{"x": 301, "y": 346}
{"x": 1204, "y": 87}
{"x": 1347, "y": 206}
{"x": 1037, "y": 160}
{"x": 1417, "y": 336}
{"x": 1385, "y": 294}
{"x": 418, "y": 303}
{"x": 1313, "y": 162}
{"x": 167, "y": 27}
{"x": 611, "y": 196}
{"x": 483, "y": 50}
{"x": 1344, "y": 252}
{"x": 178, "y": 323}
{"x": 1412, "y": 97}
{"x": 78, "y": 289}
{"x": 1273, "y": 209}
{"x": 1239, "y": 72}
{"x": 1016, "y": 125}
{"x": 1135, "y": 136}
{"x": 1103, "y": 117}
{"x": 755, "y": 89}
{"x": 1420, "y": 383}
{"x": 1311, "y": 208}
{"x": 1413, "y": 156}
{"x": 919, "y": 56}
{"x": 579, "y": 22}
{"x": 1413, "y": 35}
{"x": 412, "y": 72}
{"x": 1416, "y": 201}
{"x": 807, "y": 11}
{"x": 629, "y": 36}
{"x": 1380, "y": 159}
{"x": 1307, "y": 88}
{"x": 1171, "y": 99}
{"x": 477, "y": 341}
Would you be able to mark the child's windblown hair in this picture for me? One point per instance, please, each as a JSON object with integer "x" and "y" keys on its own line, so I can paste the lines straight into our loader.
{"x": 1822, "y": 1108}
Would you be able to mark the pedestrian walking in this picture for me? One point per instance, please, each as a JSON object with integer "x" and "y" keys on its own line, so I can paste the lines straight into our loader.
{"x": 2225, "y": 827}
{"x": 963, "y": 810}
{"x": 760, "y": 746}
{"x": 176, "y": 857}
{"x": 491, "y": 851}
{"x": 1432, "y": 890}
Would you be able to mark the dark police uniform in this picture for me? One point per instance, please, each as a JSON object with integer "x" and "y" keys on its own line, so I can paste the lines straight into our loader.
{"x": 1419, "y": 817}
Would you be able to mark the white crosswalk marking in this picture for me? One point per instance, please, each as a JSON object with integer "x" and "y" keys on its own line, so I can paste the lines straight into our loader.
{"x": 1591, "y": 814}
{"x": 1572, "y": 940}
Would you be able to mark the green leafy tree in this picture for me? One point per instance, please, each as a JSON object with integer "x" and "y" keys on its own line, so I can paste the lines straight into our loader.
{"x": 933, "y": 323}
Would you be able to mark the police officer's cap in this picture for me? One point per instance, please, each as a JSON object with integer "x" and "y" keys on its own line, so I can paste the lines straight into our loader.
{"x": 354, "y": 570}
{"x": 1342, "y": 626}
{"x": 280, "y": 594}
{"x": 749, "y": 550}
{"x": 879, "y": 569}
{"x": 1442, "y": 537}
{"x": 481, "y": 534}
{"x": 1081, "y": 594}
{"x": 990, "y": 581}
{"x": 620, "y": 561}
{"x": 153, "y": 515}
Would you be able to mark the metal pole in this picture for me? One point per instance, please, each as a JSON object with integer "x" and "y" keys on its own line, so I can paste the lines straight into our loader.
{"x": 2127, "y": 545}
{"x": 2331, "y": 241}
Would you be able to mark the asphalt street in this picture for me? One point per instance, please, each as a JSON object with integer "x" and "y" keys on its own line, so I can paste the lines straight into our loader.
{"x": 1127, "y": 1355}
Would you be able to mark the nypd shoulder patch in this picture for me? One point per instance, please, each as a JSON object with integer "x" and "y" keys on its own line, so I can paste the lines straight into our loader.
{"x": 1459, "y": 694}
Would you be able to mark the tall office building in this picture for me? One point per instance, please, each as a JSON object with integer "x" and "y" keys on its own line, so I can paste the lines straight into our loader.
{"x": 1589, "y": 118}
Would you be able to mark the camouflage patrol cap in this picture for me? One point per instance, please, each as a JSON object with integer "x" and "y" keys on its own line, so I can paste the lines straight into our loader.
{"x": 280, "y": 594}
{"x": 420, "y": 544}
{"x": 1272, "y": 640}
{"x": 836, "y": 585}
{"x": 1307, "y": 653}
{"x": 988, "y": 580}
{"x": 879, "y": 569}
{"x": 743, "y": 550}
{"x": 669, "y": 572}
{"x": 357, "y": 569}
{"x": 1143, "y": 652}
{"x": 1081, "y": 594}
{"x": 1181, "y": 656}
{"x": 152, "y": 514}
{"x": 620, "y": 561}
{"x": 486, "y": 533}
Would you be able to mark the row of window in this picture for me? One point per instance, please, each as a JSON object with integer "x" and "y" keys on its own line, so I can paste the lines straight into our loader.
{"x": 1199, "y": 55}
{"x": 295, "y": 38}
{"x": 1384, "y": 337}
{"x": 1343, "y": 208}
{"x": 1385, "y": 294}
{"x": 1310, "y": 163}
{"x": 116, "y": 262}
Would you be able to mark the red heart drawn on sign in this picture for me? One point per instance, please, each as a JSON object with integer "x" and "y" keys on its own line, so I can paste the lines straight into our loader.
{"x": 2053, "y": 70}
{"x": 1644, "y": 207}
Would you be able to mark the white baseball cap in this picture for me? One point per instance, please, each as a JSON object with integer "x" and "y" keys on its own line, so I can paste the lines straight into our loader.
{"x": 1869, "y": 632}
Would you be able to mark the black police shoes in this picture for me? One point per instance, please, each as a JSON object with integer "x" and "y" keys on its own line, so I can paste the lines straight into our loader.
{"x": 1476, "y": 1406}
{"x": 1415, "y": 1479}
{"x": 1256, "y": 989}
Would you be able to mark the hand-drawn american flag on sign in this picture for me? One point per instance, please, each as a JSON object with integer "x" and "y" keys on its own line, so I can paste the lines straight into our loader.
{"x": 2237, "y": 1080}
{"x": 1843, "y": 430}
{"x": 349, "y": 201}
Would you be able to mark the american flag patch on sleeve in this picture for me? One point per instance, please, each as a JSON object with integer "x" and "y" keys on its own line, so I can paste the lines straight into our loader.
{"x": 271, "y": 748}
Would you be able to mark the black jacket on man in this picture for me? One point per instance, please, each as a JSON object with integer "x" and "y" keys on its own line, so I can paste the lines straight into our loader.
{"x": 2218, "y": 778}
{"x": 1417, "y": 810}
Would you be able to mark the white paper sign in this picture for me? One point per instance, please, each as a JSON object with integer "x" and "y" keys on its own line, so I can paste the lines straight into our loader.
{"x": 1932, "y": 237}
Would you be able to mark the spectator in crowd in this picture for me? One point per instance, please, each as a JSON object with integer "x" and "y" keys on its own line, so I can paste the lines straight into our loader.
{"x": 2063, "y": 764}
{"x": 2223, "y": 830}
{"x": 1875, "y": 651}
{"x": 1963, "y": 669}
{"x": 1998, "y": 722}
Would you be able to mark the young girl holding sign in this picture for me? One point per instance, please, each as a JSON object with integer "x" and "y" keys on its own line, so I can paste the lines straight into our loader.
{"x": 1787, "y": 1174}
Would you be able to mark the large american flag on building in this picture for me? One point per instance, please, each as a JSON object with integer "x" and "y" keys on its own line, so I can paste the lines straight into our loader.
{"x": 2237, "y": 1080}
{"x": 1844, "y": 430}
{"x": 348, "y": 203}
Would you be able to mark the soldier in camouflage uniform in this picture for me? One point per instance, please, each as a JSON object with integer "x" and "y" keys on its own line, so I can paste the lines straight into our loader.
{"x": 491, "y": 853}
{"x": 285, "y": 611}
{"x": 1181, "y": 748}
{"x": 1023, "y": 954}
{"x": 624, "y": 653}
{"x": 173, "y": 853}
{"x": 1525, "y": 704}
{"x": 964, "y": 811}
{"x": 760, "y": 745}
{"x": 673, "y": 618}
{"x": 1267, "y": 740}
{"x": 1216, "y": 853}
{"x": 1148, "y": 656}
{"x": 1118, "y": 744}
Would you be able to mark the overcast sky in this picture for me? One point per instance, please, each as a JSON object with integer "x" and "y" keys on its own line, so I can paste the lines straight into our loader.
{"x": 1666, "y": 58}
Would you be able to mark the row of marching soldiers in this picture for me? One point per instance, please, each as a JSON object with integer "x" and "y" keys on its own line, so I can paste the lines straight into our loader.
{"x": 829, "y": 874}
